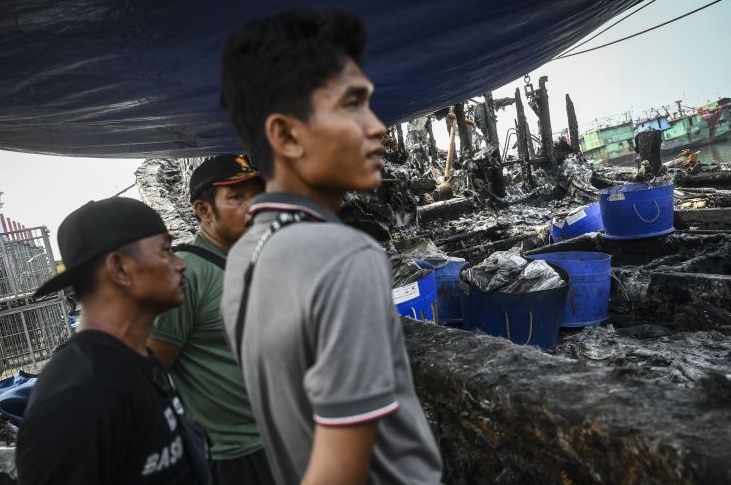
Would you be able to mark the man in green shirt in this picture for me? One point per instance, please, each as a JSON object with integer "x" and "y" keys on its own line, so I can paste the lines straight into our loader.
{"x": 189, "y": 340}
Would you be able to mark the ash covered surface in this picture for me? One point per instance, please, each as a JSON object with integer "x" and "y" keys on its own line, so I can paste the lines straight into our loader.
{"x": 657, "y": 351}
{"x": 507, "y": 414}
{"x": 648, "y": 301}
{"x": 8, "y": 438}
{"x": 641, "y": 399}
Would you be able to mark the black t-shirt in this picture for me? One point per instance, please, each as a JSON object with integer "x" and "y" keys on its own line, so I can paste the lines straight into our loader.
{"x": 99, "y": 414}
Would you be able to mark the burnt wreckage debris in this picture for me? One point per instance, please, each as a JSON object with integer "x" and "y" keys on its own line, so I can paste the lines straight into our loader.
{"x": 643, "y": 398}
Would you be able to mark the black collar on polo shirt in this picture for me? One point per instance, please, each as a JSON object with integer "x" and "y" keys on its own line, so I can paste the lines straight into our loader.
{"x": 288, "y": 202}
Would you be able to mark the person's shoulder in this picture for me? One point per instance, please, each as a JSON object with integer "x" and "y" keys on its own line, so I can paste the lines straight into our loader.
{"x": 91, "y": 356}
{"x": 333, "y": 235}
{"x": 77, "y": 366}
{"x": 189, "y": 252}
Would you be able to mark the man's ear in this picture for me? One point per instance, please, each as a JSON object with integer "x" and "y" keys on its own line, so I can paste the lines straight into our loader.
{"x": 282, "y": 134}
{"x": 203, "y": 210}
{"x": 116, "y": 266}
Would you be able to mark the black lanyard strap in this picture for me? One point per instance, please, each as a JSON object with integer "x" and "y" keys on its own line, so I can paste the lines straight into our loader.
{"x": 283, "y": 220}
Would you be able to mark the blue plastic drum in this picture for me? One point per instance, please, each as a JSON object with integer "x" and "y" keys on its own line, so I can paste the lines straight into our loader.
{"x": 523, "y": 318}
{"x": 587, "y": 303}
{"x": 636, "y": 211}
{"x": 418, "y": 300}
{"x": 581, "y": 221}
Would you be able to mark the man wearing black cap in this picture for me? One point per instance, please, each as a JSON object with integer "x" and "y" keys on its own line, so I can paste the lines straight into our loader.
{"x": 189, "y": 339}
{"x": 101, "y": 412}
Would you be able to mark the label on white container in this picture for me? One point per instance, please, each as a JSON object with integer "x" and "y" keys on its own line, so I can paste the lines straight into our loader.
{"x": 405, "y": 293}
{"x": 575, "y": 217}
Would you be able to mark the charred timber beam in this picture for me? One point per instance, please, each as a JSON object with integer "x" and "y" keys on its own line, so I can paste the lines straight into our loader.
{"x": 522, "y": 134}
{"x": 400, "y": 140}
{"x": 529, "y": 138}
{"x": 671, "y": 291}
{"x": 538, "y": 101}
{"x": 448, "y": 209}
{"x": 647, "y": 145}
{"x": 717, "y": 179}
{"x": 432, "y": 141}
{"x": 496, "y": 176}
{"x": 544, "y": 123}
{"x": 481, "y": 251}
{"x": 508, "y": 414}
{"x": 465, "y": 141}
{"x": 501, "y": 103}
{"x": 460, "y": 237}
{"x": 491, "y": 120}
{"x": 717, "y": 218}
{"x": 573, "y": 124}
{"x": 420, "y": 186}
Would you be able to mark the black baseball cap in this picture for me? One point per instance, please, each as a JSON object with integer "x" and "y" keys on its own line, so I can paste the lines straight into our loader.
{"x": 97, "y": 228}
{"x": 227, "y": 169}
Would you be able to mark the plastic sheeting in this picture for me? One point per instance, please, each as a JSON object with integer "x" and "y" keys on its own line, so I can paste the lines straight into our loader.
{"x": 508, "y": 272}
{"x": 14, "y": 395}
{"x": 113, "y": 78}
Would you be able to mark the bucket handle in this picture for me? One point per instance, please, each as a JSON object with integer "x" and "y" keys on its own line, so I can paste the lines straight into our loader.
{"x": 530, "y": 328}
{"x": 651, "y": 220}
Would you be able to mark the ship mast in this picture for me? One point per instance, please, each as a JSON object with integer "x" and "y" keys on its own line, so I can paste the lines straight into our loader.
{"x": 680, "y": 107}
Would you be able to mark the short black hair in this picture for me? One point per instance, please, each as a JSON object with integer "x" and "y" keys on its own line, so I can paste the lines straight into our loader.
{"x": 273, "y": 65}
{"x": 209, "y": 196}
{"x": 86, "y": 278}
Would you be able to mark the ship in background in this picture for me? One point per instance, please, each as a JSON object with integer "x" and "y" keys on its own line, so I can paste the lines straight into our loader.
{"x": 708, "y": 124}
{"x": 613, "y": 142}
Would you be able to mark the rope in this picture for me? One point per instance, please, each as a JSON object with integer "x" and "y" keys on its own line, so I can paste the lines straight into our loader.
{"x": 563, "y": 56}
{"x": 600, "y": 33}
{"x": 530, "y": 328}
{"x": 645, "y": 220}
{"x": 123, "y": 191}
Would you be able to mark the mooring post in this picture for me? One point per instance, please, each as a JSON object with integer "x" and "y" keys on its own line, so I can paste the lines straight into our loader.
{"x": 522, "y": 132}
{"x": 573, "y": 125}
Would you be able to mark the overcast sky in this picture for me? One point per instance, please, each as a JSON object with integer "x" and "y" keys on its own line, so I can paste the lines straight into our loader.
{"x": 686, "y": 60}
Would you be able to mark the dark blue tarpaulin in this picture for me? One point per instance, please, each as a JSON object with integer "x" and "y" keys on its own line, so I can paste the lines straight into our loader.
{"x": 120, "y": 78}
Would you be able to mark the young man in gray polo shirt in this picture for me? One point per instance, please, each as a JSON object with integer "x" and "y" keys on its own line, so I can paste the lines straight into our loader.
{"x": 322, "y": 347}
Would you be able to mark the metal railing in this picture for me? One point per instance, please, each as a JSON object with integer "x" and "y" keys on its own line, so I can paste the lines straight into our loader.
{"x": 30, "y": 329}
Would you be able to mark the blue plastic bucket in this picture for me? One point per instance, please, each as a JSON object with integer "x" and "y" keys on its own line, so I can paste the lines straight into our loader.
{"x": 636, "y": 211}
{"x": 584, "y": 219}
{"x": 418, "y": 300}
{"x": 448, "y": 291}
{"x": 587, "y": 303}
{"x": 523, "y": 318}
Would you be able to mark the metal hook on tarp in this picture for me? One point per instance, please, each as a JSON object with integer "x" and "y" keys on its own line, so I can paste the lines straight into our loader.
{"x": 528, "y": 88}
